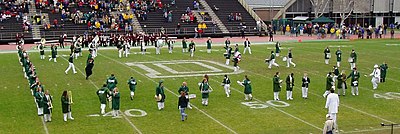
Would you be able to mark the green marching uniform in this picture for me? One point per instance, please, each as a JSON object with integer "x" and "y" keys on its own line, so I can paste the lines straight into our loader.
{"x": 41, "y": 50}
{"x": 205, "y": 93}
{"x": 329, "y": 84}
{"x": 40, "y": 103}
{"x": 247, "y": 89}
{"x": 102, "y": 94}
{"x": 111, "y": 82}
{"x": 184, "y": 45}
{"x": 276, "y": 86}
{"x": 209, "y": 45}
{"x": 289, "y": 86}
{"x": 116, "y": 103}
{"x": 160, "y": 95}
{"x": 353, "y": 59}
{"x": 327, "y": 53}
{"x": 384, "y": 68}
{"x": 47, "y": 107}
{"x": 355, "y": 75}
{"x": 54, "y": 52}
{"x": 338, "y": 57}
{"x": 65, "y": 105}
{"x": 185, "y": 89}
{"x": 277, "y": 48}
{"x": 132, "y": 86}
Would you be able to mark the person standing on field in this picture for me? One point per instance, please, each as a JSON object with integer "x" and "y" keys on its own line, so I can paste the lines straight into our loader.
{"x": 353, "y": 59}
{"x": 183, "y": 102}
{"x": 47, "y": 106}
{"x": 184, "y": 45}
{"x": 277, "y": 49}
{"x": 384, "y": 68}
{"x": 355, "y": 75}
{"x": 41, "y": 48}
{"x": 185, "y": 89}
{"x": 304, "y": 86}
{"x": 289, "y": 86}
{"x": 289, "y": 59}
{"x": 39, "y": 100}
{"x": 332, "y": 104}
{"x": 376, "y": 76}
{"x": 205, "y": 91}
{"x": 53, "y": 53}
{"x": 116, "y": 102}
{"x": 89, "y": 68}
{"x": 160, "y": 96}
{"x": 66, "y": 106}
{"x": 132, "y": 86}
{"x": 228, "y": 55}
{"x": 71, "y": 64}
{"x": 209, "y": 42}
{"x": 342, "y": 83}
{"x": 102, "y": 94}
{"x": 247, "y": 46}
{"x": 192, "y": 48}
{"x": 327, "y": 53}
{"x": 111, "y": 82}
{"x": 227, "y": 85}
{"x": 338, "y": 57}
{"x": 277, "y": 85}
{"x": 329, "y": 125}
{"x": 329, "y": 84}
{"x": 272, "y": 60}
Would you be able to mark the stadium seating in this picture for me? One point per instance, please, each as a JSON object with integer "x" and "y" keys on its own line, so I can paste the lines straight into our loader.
{"x": 10, "y": 27}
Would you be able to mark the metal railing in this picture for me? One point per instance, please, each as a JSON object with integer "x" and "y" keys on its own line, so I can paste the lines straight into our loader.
{"x": 252, "y": 13}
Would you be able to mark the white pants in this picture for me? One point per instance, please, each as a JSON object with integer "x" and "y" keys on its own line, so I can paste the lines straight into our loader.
{"x": 236, "y": 68}
{"x": 69, "y": 115}
{"x": 333, "y": 117}
{"x": 120, "y": 53}
{"x": 327, "y": 92}
{"x": 71, "y": 65}
{"x": 343, "y": 89}
{"x": 248, "y": 97}
{"x": 184, "y": 50}
{"x": 338, "y": 64}
{"x": 247, "y": 49}
{"x": 102, "y": 108}
{"x": 76, "y": 55}
{"x": 272, "y": 62}
{"x": 289, "y": 61}
{"x": 277, "y": 54}
{"x": 375, "y": 81}
{"x": 276, "y": 95}
{"x": 208, "y": 50}
{"x": 352, "y": 65}
{"x": 227, "y": 89}
{"x": 327, "y": 61}
{"x": 354, "y": 90}
{"x": 94, "y": 53}
{"x": 289, "y": 95}
{"x": 158, "y": 51}
{"x": 47, "y": 117}
{"x": 126, "y": 52}
{"x": 227, "y": 62}
{"x": 191, "y": 52}
{"x": 160, "y": 105}
{"x": 132, "y": 94}
{"x": 42, "y": 57}
{"x": 170, "y": 50}
{"x": 144, "y": 51}
{"x": 55, "y": 59}
{"x": 40, "y": 110}
{"x": 204, "y": 101}
{"x": 115, "y": 113}
{"x": 304, "y": 92}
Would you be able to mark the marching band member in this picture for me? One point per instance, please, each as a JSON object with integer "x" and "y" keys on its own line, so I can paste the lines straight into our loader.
{"x": 327, "y": 53}
{"x": 227, "y": 84}
{"x": 48, "y": 106}
{"x": 289, "y": 59}
{"x": 185, "y": 89}
{"x": 71, "y": 64}
{"x": 335, "y": 73}
{"x": 247, "y": 88}
{"x": 289, "y": 86}
{"x": 53, "y": 53}
{"x": 170, "y": 44}
{"x": 384, "y": 68}
{"x": 205, "y": 91}
{"x": 247, "y": 46}
{"x": 332, "y": 104}
{"x": 355, "y": 75}
{"x": 39, "y": 100}
{"x": 329, "y": 84}
{"x": 338, "y": 57}
{"x": 228, "y": 54}
{"x": 115, "y": 102}
{"x": 376, "y": 75}
{"x": 160, "y": 96}
{"x": 227, "y": 43}
{"x": 304, "y": 86}
{"x": 132, "y": 86}
{"x": 192, "y": 48}
{"x": 102, "y": 94}
{"x": 41, "y": 48}
{"x": 111, "y": 82}
{"x": 277, "y": 85}
{"x": 236, "y": 59}
{"x": 272, "y": 60}
{"x": 342, "y": 83}
{"x": 125, "y": 48}
{"x": 277, "y": 48}
{"x": 184, "y": 45}
{"x": 209, "y": 42}
{"x": 66, "y": 106}
{"x": 89, "y": 67}
{"x": 158, "y": 45}
{"x": 353, "y": 59}
{"x": 120, "y": 50}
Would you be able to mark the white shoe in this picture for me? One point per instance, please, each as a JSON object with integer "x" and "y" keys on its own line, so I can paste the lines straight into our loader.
{"x": 66, "y": 72}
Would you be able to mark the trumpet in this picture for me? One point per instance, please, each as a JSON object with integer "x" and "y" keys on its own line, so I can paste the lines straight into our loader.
{"x": 70, "y": 97}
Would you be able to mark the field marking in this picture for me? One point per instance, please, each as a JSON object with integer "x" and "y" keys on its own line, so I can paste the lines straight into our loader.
{"x": 209, "y": 116}
{"x": 45, "y": 126}
{"x": 370, "y": 130}
{"x": 271, "y": 106}
{"x": 130, "y": 122}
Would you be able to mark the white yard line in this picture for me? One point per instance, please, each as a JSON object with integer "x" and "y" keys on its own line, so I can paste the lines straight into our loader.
{"x": 369, "y": 130}
{"x": 130, "y": 122}
{"x": 209, "y": 116}
{"x": 263, "y": 102}
{"x": 45, "y": 126}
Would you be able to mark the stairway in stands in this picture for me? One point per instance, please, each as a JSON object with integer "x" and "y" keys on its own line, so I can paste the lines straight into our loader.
{"x": 227, "y": 7}
{"x": 35, "y": 28}
{"x": 156, "y": 20}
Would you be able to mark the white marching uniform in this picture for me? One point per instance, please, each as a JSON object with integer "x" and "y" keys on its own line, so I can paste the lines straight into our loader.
{"x": 332, "y": 104}
{"x": 376, "y": 75}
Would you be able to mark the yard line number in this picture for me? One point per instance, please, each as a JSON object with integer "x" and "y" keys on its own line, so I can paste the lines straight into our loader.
{"x": 129, "y": 112}
{"x": 388, "y": 95}
{"x": 272, "y": 103}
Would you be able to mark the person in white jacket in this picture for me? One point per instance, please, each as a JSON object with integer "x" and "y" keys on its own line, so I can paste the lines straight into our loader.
{"x": 376, "y": 76}
{"x": 332, "y": 104}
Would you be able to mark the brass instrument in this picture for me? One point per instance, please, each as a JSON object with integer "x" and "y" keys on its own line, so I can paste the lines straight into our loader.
{"x": 70, "y": 97}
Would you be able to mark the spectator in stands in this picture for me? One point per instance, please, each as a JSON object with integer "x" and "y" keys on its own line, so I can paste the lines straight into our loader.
{"x": 196, "y": 32}
{"x": 170, "y": 16}
{"x": 188, "y": 10}
{"x": 178, "y": 28}
{"x": 216, "y": 8}
{"x": 195, "y": 5}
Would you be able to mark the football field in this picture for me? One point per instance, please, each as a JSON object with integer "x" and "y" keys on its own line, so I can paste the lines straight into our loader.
{"x": 262, "y": 115}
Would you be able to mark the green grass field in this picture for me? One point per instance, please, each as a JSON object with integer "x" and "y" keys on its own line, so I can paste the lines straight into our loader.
{"x": 357, "y": 114}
